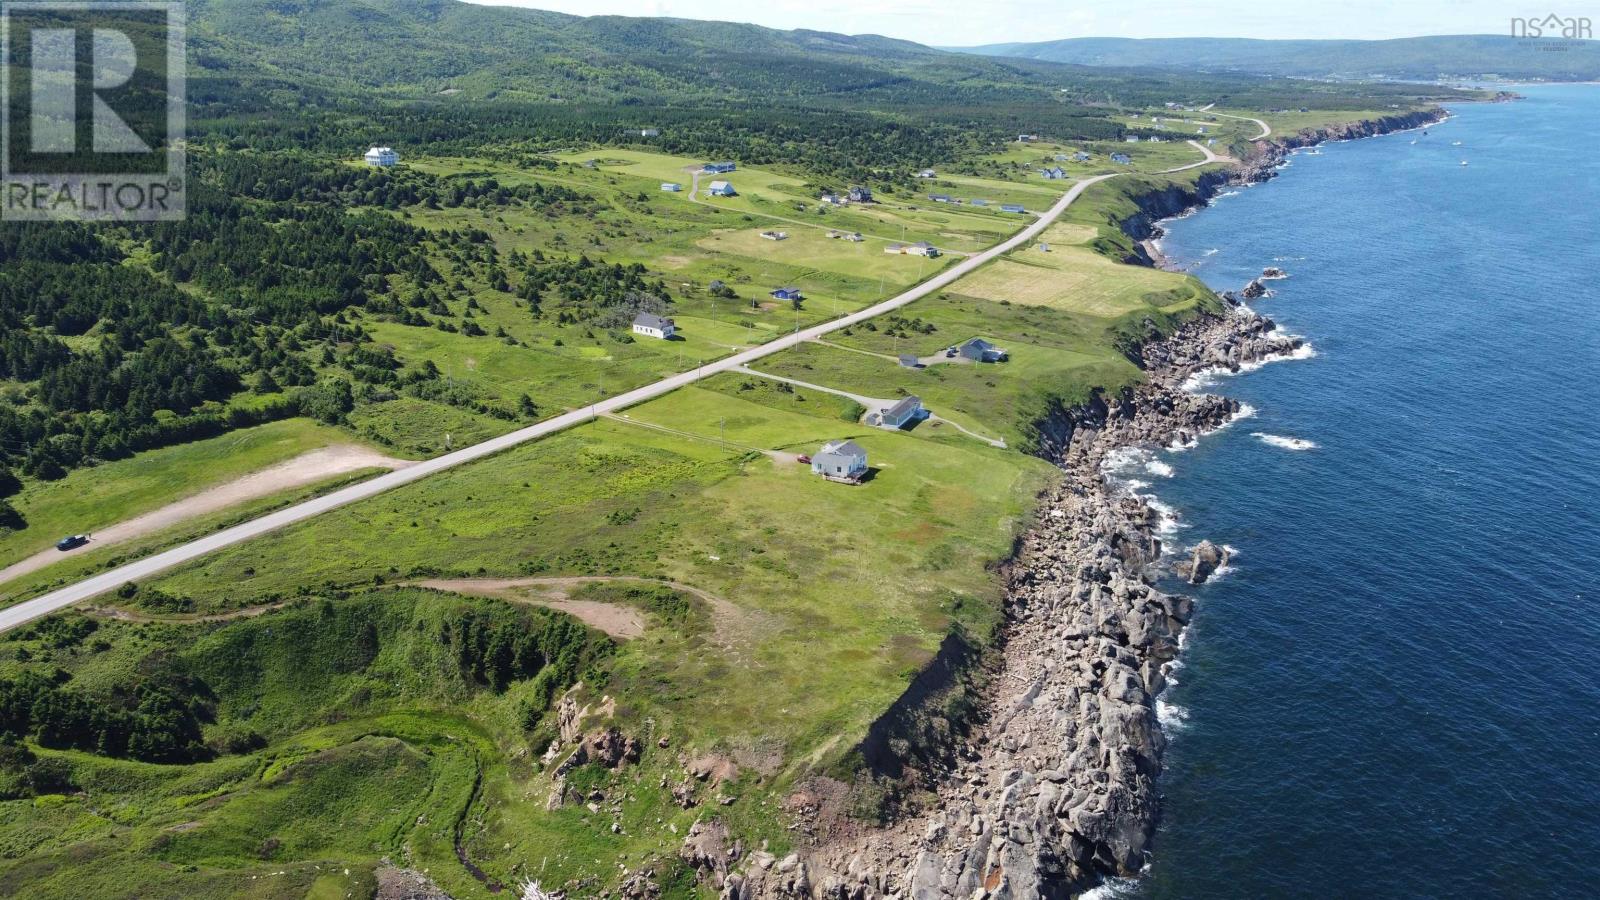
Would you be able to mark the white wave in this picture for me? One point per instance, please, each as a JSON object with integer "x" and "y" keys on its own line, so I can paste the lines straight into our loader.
{"x": 1213, "y": 251}
{"x": 1135, "y": 485}
{"x": 1157, "y": 467}
{"x": 1171, "y": 716}
{"x": 1286, "y": 443}
{"x": 1178, "y": 445}
{"x": 1166, "y": 516}
{"x": 1123, "y": 460}
{"x": 1112, "y": 889}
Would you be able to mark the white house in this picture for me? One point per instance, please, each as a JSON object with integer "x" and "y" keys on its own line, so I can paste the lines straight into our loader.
{"x": 649, "y": 132}
{"x": 840, "y": 461}
{"x": 775, "y": 235}
{"x": 927, "y": 173}
{"x": 908, "y": 411}
{"x": 722, "y": 189}
{"x": 652, "y": 325}
{"x": 671, "y": 186}
{"x": 382, "y": 156}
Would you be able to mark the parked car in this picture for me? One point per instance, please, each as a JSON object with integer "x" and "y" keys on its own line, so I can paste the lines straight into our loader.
{"x": 72, "y": 542}
{"x": 803, "y": 459}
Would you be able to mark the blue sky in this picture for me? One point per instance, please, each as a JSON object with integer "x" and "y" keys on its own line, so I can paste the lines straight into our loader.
{"x": 965, "y": 22}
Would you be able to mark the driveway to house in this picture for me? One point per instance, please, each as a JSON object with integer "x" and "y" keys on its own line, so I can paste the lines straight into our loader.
{"x": 61, "y": 598}
{"x": 1266, "y": 130}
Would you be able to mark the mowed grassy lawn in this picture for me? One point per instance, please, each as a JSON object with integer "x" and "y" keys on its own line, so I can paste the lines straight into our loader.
{"x": 1076, "y": 279}
{"x": 92, "y": 498}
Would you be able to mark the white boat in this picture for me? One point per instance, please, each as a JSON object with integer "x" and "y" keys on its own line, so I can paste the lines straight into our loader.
{"x": 1463, "y": 162}
{"x": 1455, "y": 143}
{"x": 1413, "y": 140}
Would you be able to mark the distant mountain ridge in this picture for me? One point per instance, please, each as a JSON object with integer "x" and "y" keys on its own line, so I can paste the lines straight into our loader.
{"x": 1416, "y": 58}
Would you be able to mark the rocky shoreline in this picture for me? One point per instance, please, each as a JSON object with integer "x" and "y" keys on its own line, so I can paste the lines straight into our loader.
{"x": 1055, "y": 789}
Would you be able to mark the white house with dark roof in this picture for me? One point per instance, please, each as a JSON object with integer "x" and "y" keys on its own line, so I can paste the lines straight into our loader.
{"x": 842, "y": 461}
{"x": 383, "y": 157}
{"x": 652, "y": 325}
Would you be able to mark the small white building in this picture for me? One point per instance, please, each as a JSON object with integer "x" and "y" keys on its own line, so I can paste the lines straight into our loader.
{"x": 671, "y": 186}
{"x": 722, "y": 189}
{"x": 649, "y": 132}
{"x": 927, "y": 173}
{"x": 382, "y": 156}
{"x": 652, "y": 325}
{"x": 842, "y": 461}
{"x": 775, "y": 235}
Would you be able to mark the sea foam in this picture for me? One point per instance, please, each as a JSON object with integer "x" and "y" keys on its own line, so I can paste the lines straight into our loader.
{"x": 1286, "y": 443}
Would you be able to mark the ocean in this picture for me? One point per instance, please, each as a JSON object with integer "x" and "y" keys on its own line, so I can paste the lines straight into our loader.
{"x": 1392, "y": 690}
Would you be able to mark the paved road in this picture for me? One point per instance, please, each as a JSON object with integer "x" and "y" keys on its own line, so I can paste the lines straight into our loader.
{"x": 59, "y": 599}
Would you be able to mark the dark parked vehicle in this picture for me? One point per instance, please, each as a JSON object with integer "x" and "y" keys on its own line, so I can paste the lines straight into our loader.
{"x": 73, "y": 542}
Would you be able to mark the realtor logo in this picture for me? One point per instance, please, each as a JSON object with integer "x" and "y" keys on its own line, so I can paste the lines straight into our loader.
{"x": 1573, "y": 28}
{"x": 91, "y": 110}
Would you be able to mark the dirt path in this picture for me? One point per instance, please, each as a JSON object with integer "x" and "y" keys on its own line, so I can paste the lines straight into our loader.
{"x": 621, "y": 622}
{"x": 307, "y": 468}
{"x": 872, "y": 403}
{"x": 127, "y": 615}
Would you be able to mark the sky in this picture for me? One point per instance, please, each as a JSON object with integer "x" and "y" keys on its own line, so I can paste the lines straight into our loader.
{"x": 970, "y": 22}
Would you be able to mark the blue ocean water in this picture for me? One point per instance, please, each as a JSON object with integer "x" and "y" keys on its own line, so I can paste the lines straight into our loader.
{"x": 1393, "y": 692}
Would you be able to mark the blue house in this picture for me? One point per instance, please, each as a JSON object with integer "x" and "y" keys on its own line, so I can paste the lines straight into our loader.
{"x": 1012, "y": 207}
{"x": 1054, "y": 172}
{"x": 908, "y": 411}
{"x": 722, "y": 189}
{"x": 718, "y": 168}
{"x": 1080, "y": 156}
{"x": 787, "y": 293}
{"x": 1122, "y": 159}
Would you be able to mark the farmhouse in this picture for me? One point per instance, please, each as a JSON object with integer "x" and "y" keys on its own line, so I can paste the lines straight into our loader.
{"x": 843, "y": 461}
{"x": 787, "y": 293}
{"x": 1012, "y": 208}
{"x": 831, "y": 199}
{"x": 908, "y": 411}
{"x": 652, "y": 325}
{"x": 980, "y": 350}
{"x": 1027, "y": 138}
{"x": 939, "y": 198}
{"x": 672, "y": 186}
{"x": 1131, "y": 139}
{"x": 775, "y": 235}
{"x": 979, "y": 202}
{"x": 1122, "y": 159}
{"x": 718, "y": 168}
{"x": 382, "y": 156}
{"x": 920, "y": 248}
{"x": 927, "y": 173}
{"x": 1080, "y": 156}
{"x": 722, "y": 189}
{"x": 1054, "y": 173}
{"x": 860, "y": 195}
{"x": 649, "y": 132}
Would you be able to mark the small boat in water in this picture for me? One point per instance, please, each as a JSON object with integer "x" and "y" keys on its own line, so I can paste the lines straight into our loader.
{"x": 1455, "y": 143}
{"x": 1463, "y": 162}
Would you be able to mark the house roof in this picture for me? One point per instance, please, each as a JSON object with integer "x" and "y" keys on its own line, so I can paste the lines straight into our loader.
{"x": 719, "y": 185}
{"x": 651, "y": 320}
{"x": 906, "y": 405}
{"x": 909, "y": 359}
{"x": 844, "y": 448}
{"x": 979, "y": 343}
{"x": 785, "y": 291}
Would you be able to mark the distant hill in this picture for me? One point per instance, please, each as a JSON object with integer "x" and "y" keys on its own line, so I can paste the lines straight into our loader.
{"x": 1419, "y": 58}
